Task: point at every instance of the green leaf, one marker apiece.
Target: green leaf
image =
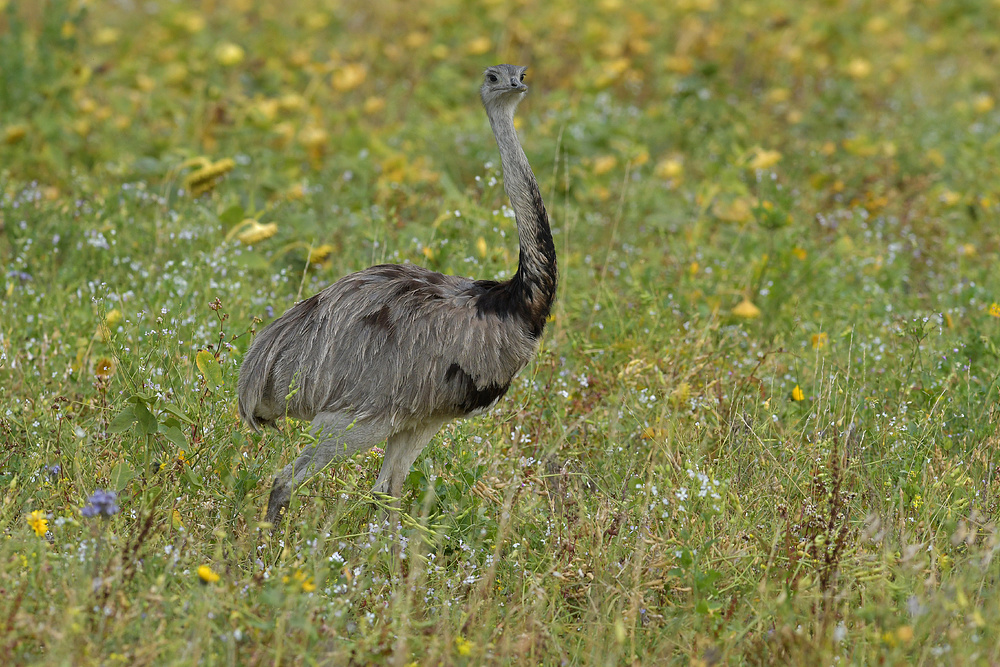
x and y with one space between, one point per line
145 419
191 478
145 397
177 412
121 476
232 215
174 434
123 421
210 369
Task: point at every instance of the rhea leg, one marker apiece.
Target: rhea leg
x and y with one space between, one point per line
401 450
338 436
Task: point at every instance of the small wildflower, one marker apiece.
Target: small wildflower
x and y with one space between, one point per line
229 54
669 168
764 159
859 68
950 198
797 394
113 317
994 310
746 310
349 77
983 103
373 105
101 503
604 164
463 645
819 340
320 254
256 232
304 580
207 574
38 522
205 178
104 368
14 133
905 634
313 137
478 46
106 35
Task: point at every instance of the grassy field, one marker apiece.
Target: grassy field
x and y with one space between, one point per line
762 425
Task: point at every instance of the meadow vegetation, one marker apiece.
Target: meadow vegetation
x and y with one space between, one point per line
762 425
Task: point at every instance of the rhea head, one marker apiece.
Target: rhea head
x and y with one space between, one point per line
503 87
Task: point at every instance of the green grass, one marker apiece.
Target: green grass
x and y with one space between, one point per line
762 425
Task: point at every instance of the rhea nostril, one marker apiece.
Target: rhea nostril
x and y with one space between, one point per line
513 83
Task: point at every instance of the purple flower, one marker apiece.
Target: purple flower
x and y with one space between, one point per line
101 503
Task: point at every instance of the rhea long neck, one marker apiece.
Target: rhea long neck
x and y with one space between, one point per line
534 284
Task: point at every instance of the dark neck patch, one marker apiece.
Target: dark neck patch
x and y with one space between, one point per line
471 397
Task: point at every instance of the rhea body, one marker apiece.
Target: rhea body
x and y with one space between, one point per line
394 352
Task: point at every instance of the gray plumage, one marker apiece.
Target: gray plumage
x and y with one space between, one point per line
394 352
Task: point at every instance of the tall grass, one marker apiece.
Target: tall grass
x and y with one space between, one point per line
762 425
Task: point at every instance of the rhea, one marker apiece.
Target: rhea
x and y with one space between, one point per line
394 352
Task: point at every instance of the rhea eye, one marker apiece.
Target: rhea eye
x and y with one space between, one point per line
492 78
522 76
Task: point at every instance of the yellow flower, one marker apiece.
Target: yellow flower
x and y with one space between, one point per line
905 634
746 310
38 522
935 157
207 575
229 54
859 68
349 77
669 168
820 340
738 210
797 394
206 176
373 105
190 21
463 645
983 103
106 35
994 310
319 255
14 133
604 164
113 317
111 320
313 137
950 197
481 246
104 368
764 159
304 580
478 46
256 232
